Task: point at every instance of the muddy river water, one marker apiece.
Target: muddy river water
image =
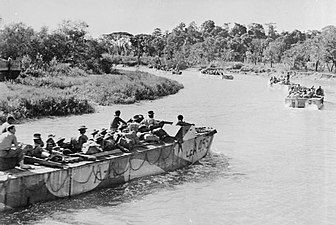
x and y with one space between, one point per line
268 164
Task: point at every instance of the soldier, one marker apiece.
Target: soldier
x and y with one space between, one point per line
10 148
117 121
9 120
180 121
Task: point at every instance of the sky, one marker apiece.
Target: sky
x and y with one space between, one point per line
143 16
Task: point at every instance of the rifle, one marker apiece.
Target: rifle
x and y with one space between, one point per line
166 122
160 124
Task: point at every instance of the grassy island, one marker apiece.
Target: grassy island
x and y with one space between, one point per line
35 97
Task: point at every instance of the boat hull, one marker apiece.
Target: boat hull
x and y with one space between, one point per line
9 72
45 183
304 102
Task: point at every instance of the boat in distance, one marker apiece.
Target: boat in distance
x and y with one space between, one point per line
216 72
44 183
9 69
316 102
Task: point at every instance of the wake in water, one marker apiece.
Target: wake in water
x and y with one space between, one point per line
208 169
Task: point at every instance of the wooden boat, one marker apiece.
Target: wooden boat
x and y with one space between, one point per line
44 183
316 102
227 76
9 70
177 72
216 72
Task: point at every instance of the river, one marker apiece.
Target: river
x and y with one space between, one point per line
268 164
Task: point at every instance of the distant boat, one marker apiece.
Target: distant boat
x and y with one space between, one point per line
177 72
9 69
216 71
316 102
227 76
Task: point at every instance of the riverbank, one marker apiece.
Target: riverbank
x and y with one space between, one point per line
35 97
266 70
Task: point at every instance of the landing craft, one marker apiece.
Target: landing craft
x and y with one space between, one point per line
49 181
9 69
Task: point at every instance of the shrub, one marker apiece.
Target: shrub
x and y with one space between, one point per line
106 63
59 69
33 97
237 65
33 72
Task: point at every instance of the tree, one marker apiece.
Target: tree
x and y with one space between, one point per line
74 33
256 30
255 50
141 45
207 27
274 51
271 31
328 37
16 40
238 30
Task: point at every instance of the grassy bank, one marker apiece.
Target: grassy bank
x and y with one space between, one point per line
33 97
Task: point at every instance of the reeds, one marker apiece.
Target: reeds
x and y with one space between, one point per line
34 97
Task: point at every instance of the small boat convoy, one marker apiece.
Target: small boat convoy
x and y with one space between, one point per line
298 96
51 180
217 72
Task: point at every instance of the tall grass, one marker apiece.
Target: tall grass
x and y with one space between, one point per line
33 97
26 102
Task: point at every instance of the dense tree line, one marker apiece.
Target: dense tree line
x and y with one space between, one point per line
184 46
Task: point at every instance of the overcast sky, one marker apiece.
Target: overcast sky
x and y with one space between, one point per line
143 16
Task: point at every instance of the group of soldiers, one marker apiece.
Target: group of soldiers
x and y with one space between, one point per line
298 91
213 71
122 135
282 79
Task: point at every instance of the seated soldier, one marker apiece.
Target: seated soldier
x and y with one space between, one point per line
91 147
82 137
155 126
109 142
132 133
50 143
37 137
10 150
9 120
64 147
117 121
38 150
77 144
150 121
94 133
127 139
99 137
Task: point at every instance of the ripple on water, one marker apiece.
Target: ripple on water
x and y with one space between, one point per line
63 211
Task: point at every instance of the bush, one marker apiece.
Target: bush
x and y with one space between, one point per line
106 63
59 69
33 97
237 65
33 72
30 102
129 60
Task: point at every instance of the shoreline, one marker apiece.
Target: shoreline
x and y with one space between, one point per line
36 98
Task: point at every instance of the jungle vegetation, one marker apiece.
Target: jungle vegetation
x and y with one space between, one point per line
184 46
